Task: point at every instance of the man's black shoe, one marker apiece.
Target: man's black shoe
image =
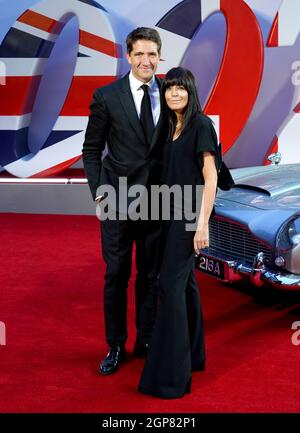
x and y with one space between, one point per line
110 363
140 350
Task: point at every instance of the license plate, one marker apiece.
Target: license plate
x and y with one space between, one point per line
210 266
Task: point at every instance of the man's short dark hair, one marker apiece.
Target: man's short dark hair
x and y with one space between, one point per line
145 33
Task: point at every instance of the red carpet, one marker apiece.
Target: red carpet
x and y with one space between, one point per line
51 303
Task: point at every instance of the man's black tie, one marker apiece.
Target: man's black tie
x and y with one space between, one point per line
146 117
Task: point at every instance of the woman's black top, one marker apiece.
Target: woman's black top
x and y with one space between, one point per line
183 164
183 157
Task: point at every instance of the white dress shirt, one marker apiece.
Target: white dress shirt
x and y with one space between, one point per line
138 93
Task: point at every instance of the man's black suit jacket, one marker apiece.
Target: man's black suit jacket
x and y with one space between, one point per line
114 120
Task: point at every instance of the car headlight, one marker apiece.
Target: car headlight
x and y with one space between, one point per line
288 236
294 232
288 246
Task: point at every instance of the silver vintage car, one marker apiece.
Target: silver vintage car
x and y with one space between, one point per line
255 232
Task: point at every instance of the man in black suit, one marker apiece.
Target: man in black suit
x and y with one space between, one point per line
127 116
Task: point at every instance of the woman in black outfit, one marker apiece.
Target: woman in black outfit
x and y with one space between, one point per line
177 344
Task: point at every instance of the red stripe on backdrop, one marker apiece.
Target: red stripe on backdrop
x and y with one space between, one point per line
41 22
99 44
18 95
86 39
57 168
235 90
80 94
273 35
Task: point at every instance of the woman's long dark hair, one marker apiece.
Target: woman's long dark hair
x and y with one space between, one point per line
181 77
